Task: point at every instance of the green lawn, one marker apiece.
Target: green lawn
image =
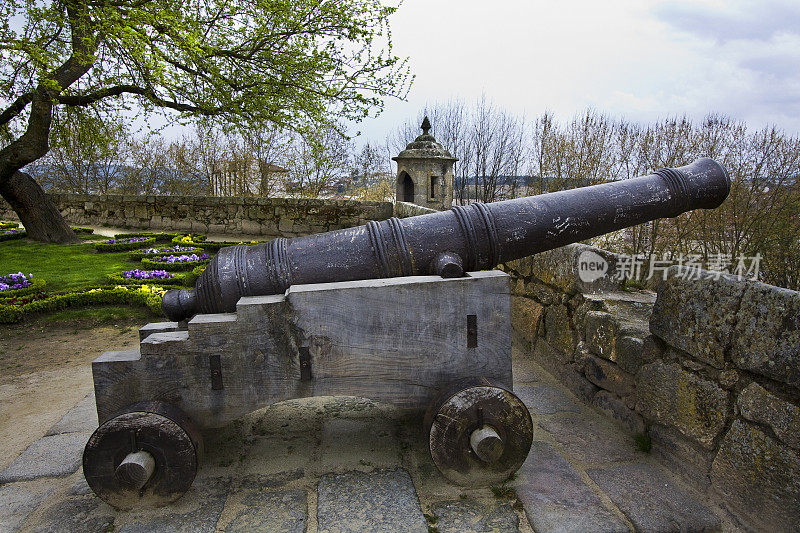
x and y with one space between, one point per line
62 266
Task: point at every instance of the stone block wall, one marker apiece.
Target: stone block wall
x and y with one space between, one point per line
270 217
708 367
406 209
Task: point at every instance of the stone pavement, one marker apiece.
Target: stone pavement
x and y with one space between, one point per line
351 465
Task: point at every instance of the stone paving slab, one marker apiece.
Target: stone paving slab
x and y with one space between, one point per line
198 511
87 514
51 456
458 516
18 500
557 500
80 419
524 372
591 438
546 400
652 501
361 502
261 511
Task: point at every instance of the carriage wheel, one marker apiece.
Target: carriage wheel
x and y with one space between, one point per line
478 432
145 456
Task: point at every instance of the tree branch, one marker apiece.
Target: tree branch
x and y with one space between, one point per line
118 90
16 108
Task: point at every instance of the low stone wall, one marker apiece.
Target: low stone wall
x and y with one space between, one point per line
407 209
708 367
270 217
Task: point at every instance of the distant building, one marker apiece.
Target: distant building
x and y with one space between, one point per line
425 172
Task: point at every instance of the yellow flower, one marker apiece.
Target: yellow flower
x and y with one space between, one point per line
152 289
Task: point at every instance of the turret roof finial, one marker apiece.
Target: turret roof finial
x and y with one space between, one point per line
426 125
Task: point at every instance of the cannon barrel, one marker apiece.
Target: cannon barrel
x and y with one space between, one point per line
473 237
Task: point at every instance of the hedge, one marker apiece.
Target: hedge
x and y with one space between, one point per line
12 236
4 225
122 246
37 284
172 267
149 297
210 246
158 236
79 230
178 280
138 255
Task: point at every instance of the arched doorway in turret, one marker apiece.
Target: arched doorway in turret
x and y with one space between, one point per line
406 188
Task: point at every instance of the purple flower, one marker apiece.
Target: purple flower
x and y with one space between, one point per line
181 258
11 282
125 241
146 274
171 250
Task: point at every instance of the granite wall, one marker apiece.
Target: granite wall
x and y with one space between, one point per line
708 367
406 209
270 217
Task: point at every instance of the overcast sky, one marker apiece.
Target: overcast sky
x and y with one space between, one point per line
639 59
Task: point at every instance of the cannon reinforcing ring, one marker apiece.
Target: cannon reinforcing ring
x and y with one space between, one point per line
278 269
491 231
678 190
468 230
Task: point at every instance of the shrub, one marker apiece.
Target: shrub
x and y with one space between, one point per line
176 263
138 255
209 246
148 296
158 236
11 234
4 225
191 277
166 279
19 284
79 230
131 243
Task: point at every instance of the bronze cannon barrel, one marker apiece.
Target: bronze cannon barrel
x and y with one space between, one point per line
473 237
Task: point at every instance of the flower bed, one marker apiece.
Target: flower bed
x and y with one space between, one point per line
19 284
148 296
11 234
123 245
176 263
209 246
158 236
147 274
138 255
143 277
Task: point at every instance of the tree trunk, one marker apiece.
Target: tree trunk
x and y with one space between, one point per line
37 213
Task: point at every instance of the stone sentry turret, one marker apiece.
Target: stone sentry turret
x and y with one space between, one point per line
448 243
425 172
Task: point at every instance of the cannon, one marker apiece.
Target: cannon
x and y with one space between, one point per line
404 311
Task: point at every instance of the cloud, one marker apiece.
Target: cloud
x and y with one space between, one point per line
644 60
746 57
729 21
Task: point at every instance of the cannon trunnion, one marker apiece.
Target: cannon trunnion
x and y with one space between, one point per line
398 311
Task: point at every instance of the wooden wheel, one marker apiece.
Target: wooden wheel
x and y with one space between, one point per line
478 433
145 456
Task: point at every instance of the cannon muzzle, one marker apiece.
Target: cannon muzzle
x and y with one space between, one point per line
473 237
